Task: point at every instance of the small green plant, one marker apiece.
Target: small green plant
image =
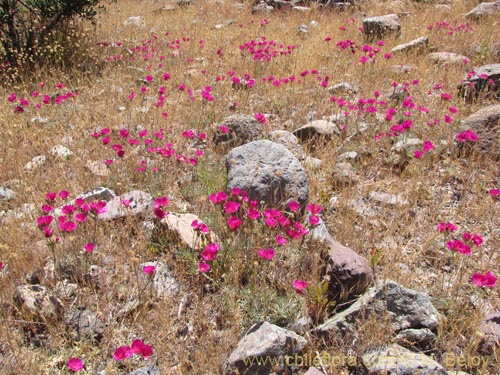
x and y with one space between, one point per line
318 302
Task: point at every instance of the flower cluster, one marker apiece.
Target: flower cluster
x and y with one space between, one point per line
488 279
72 214
464 247
138 347
266 50
467 135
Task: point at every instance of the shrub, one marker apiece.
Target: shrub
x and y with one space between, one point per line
41 32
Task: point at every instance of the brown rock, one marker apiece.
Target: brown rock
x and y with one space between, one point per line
490 330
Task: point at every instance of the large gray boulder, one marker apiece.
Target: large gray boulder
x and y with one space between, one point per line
485 79
483 10
381 26
240 130
262 347
486 124
396 360
406 308
269 172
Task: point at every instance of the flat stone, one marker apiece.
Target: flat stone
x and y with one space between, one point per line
141 203
388 199
448 58
418 44
381 26
483 10
397 360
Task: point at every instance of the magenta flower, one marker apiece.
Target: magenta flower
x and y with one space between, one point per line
199 226
47 208
123 352
68 226
253 214
89 247
495 193
475 238
223 129
467 135
1 265
446 227
293 205
44 221
210 251
139 347
231 207
50 196
266 254
148 270
68 209
428 145
161 202
233 222
260 118
75 364
418 154
98 207
314 209
457 245
488 279
63 194
280 240
299 285
203 267
218 197
159 213
314 220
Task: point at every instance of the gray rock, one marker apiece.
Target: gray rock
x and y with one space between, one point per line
397 360
141 204
415 337
344 88
489 329
317 130
313 163
61 152
262 341
136 21
97 168
398 92
400 69
262 7
35 163
242 129
349 155
388 199
288 140
163 281
495 51
313 371
302 325
406 144
348 274
381 26
268 171
301 9
485 79
448 58
6 194
38 303
98 194
482 10
415 45
181 224
406 308
147 370
86 325
486 124
344 174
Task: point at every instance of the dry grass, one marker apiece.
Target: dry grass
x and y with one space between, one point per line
442 186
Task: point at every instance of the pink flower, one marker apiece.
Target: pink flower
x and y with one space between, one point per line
446 227
99 207
233 222
68 226
75 364
253 214
47 208
44 221
495 193
50 196
314 209
223 129
488 279
199 226
159 213
139 347
81 217
12 97
148 270
63 194
280 240
266 254
260 118
68 209
299 285
210 251
231 207
418 154
123 352
293 205
161 202
457 245
1 265
89 247
218 197
203 267
314 220
467 135
428 145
